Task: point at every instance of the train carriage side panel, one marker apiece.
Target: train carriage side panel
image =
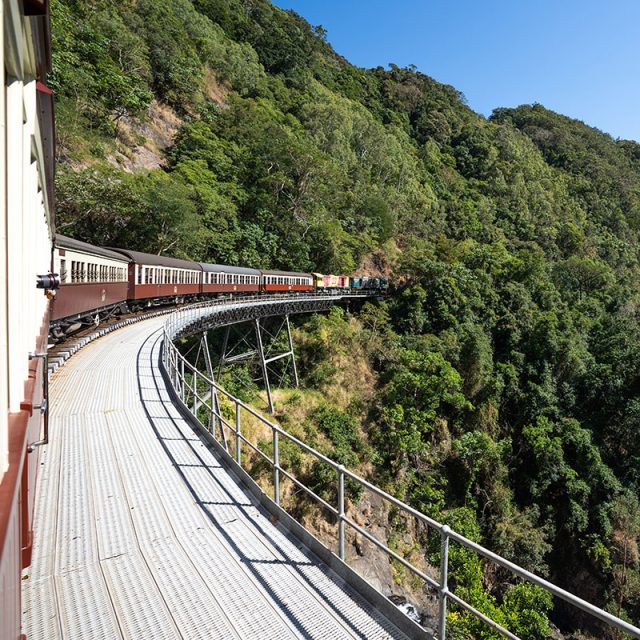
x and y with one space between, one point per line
220 278
91 278
27 142
152 278
285 281
318 281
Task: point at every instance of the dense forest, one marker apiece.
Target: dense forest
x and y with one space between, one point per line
505 362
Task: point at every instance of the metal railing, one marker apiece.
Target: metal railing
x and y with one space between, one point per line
196 392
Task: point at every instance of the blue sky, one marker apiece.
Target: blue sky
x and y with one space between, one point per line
577 57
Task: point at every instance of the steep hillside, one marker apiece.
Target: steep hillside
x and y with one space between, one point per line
505 366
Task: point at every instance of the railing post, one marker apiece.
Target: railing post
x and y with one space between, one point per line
276 468
444 578
182 379
341 512
238 439
174 366
194 380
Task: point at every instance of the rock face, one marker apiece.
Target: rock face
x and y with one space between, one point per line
144 142
373 564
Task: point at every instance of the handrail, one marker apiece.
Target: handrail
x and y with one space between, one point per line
176 367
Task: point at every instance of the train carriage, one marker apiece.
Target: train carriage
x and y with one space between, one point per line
368 283
282 281
93 281
327 282
27 140
221 278
158 278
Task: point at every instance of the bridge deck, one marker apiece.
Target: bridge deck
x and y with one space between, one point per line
141 533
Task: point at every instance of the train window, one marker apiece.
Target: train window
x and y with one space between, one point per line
63 270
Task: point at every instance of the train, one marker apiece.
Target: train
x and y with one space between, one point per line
96 283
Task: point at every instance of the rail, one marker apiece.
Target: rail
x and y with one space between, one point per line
196 392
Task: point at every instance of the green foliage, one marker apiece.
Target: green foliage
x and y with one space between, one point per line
422 388
345 448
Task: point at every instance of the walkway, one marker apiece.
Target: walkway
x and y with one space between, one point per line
140 533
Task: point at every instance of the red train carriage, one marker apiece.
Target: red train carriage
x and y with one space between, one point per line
93 282
273 281
155 279
220 278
